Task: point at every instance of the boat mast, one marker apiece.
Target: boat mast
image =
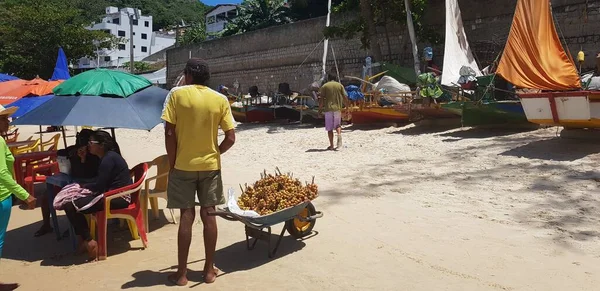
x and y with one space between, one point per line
413 39
326 43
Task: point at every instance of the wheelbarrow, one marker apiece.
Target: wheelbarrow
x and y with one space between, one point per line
299 222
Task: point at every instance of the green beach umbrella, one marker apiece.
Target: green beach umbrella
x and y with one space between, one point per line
102 82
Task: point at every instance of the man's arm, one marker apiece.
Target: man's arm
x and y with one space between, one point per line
228 141
227 124
321 97
171 143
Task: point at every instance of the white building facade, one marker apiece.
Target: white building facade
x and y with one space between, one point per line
217 18
145 40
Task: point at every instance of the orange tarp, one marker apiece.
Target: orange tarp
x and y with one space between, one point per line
534 57
10 91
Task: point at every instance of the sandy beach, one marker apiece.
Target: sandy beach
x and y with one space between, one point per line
406 208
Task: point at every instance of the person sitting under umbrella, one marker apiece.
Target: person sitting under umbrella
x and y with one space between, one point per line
84 166
113 173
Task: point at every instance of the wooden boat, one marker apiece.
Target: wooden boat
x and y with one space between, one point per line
377 114
534 58
252 109
370 111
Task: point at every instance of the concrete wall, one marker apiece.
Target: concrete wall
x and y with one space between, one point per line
293 53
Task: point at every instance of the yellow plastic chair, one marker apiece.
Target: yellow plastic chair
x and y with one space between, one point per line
33 147
161 180
51 144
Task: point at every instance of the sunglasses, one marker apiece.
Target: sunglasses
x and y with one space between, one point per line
93 142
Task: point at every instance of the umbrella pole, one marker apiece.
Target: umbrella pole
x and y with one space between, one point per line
40 133
64 136
112 131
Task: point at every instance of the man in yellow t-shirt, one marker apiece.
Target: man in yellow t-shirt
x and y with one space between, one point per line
193 114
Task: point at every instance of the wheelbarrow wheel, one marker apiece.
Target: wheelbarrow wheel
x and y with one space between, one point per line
298 228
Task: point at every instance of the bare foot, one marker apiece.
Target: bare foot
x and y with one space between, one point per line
92 250
178 278
8 287
210 275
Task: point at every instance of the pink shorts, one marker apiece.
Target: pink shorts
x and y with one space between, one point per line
333 120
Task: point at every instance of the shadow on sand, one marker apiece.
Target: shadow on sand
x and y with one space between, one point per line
556 149
430 126
233 258
22 246
480 133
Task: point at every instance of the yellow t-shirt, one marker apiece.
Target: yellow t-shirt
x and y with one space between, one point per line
197 112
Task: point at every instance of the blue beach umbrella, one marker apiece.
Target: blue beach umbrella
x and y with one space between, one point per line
141 110
5 77
27 104
61 70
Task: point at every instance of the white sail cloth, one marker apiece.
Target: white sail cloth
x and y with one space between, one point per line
457 52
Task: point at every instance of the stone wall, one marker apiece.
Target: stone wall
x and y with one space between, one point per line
293 53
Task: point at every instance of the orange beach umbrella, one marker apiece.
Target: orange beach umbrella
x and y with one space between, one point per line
11 91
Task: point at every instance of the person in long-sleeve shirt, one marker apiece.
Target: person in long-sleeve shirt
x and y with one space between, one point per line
8 186
113 173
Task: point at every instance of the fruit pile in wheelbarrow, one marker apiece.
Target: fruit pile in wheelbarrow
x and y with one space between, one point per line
277 192
276 199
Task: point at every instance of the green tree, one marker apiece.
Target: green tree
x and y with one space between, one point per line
138 67
258 14
305 9
165 13
31 33
383 12
196 33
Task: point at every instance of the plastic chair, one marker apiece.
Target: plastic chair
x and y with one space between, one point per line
133 213
160 188
11 136
38 171
51 144
24 164
34 147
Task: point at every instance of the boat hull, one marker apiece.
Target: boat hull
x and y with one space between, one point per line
253 114
577 109
419 112
378 115
488 113
289 113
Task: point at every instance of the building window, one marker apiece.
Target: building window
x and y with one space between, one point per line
147 23
121 47
107 59
116 21
134 21
211 20
144 49
134 33
122 33
144 36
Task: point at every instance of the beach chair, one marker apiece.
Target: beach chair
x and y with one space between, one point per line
51 144
11 136
133 213
34 147
161 181
37 171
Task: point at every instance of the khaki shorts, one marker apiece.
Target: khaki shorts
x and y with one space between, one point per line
185 185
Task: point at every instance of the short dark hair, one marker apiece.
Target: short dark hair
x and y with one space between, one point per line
198 70
331 77
106 140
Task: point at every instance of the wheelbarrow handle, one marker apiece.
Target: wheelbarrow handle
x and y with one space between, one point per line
319 214
224 215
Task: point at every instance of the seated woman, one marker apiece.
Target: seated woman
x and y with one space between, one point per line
84 166
113 173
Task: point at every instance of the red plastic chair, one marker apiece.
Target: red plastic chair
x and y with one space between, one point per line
24 163
38 171
133 214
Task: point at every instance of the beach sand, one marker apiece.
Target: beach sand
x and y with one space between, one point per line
405 208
